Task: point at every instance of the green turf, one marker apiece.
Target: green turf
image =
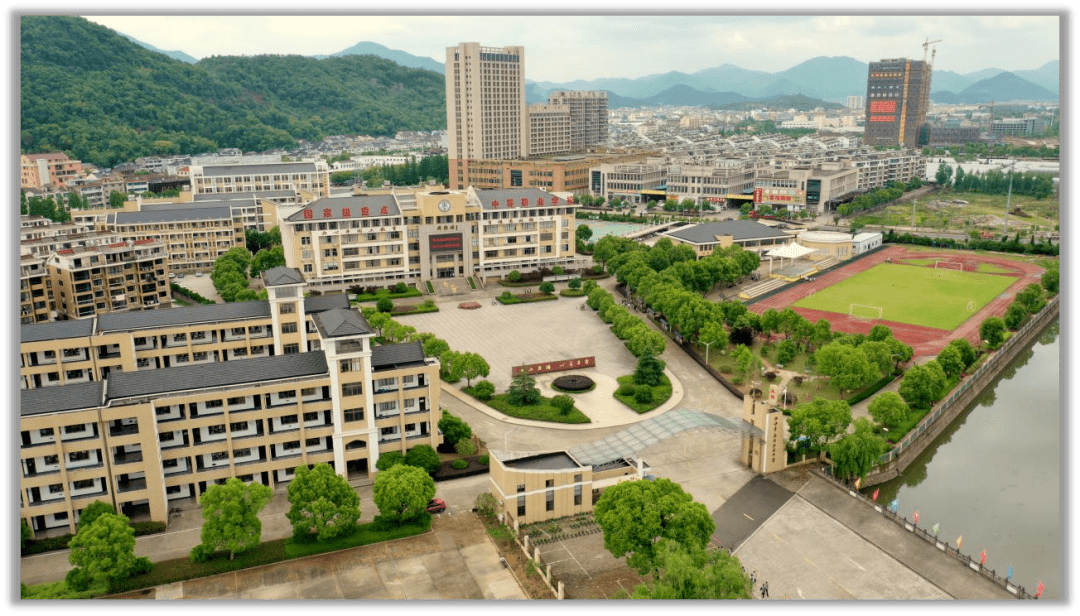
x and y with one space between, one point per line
991 268
916 295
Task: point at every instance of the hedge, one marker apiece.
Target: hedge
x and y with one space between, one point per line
189 293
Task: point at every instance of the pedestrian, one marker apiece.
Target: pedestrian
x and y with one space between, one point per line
753 576
765 589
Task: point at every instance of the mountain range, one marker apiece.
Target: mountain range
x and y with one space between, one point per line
827 78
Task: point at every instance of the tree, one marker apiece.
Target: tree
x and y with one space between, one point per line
465 447
583 233
93 511
452 366
635 514
423 456
547 288
849 368
856 453
231 516
992 330
117 199
744 360
103 553
1031 298
473 366
967 352
921 385
574 283
453 428
322 503
642 339
25 533
267 259
514 276
879 333
686 572
713 332
649 370
888 409
819 421
402 493
951 361
389 459
522 390
944 172
1051 280
785 352
385 304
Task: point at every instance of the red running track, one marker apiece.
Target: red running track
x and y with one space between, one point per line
924 340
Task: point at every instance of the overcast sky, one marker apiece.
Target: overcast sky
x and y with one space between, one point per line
564 48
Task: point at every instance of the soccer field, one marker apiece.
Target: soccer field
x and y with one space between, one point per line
938 298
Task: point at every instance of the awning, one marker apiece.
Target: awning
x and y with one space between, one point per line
790 251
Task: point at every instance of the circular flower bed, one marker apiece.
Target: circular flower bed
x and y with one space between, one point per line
573 382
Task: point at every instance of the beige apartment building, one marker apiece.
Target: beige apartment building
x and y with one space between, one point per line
113 278
428 235
588 116
545 486
195 234
311 177
549 130
34 300
140 411
54 169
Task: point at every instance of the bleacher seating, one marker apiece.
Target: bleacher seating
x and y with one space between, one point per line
762 288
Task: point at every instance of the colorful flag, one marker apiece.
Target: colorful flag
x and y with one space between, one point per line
1039 589
916 516
935 527
982 558
858 482
876 492
1008 576
959 541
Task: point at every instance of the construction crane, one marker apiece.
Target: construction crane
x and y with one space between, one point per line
926 47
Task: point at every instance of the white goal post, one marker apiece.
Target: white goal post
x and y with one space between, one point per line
852 307
938 265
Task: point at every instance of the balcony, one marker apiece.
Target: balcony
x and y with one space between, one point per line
131 485
127 458
123 430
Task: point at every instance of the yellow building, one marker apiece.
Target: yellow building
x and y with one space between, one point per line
827 244
34 300
143 411
428 235
195 234
54 169
567 173
312 177
764 446
537 487
117 277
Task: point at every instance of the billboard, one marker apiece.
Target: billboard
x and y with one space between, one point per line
447 242
882 106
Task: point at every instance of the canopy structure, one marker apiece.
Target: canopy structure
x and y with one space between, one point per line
790 251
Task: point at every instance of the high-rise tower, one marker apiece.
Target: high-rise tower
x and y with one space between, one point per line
486 114
897 99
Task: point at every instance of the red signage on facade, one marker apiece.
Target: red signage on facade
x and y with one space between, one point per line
757 195
882 106
450 242
556 366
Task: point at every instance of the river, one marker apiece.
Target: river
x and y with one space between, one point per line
993 477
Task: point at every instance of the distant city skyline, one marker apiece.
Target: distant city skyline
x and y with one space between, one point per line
568 48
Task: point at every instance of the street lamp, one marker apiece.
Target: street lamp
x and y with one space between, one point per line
707 344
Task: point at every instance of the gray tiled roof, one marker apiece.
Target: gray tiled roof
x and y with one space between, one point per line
192 205
340 322
61 398
174 215
319 303
271 169
216 374
209 313
534 195
282 275
264 194
739 230
556 460
355 205
56 330
392 355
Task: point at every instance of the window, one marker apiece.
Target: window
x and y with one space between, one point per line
350 365
218 429
219 455
550 501
577 494
56 488
288 420
75 429
313 416
291 445
214 404
313 442
291 349
242 453
77 456
46 432
388 431
288 328
84 484
51 460
354 414
307 391
237 401
352 389
238 426
289 308
166 436
521 506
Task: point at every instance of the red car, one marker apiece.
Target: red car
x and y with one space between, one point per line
436 505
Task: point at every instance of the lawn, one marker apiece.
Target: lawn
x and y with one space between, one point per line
929 297
991 268
541 411
660 393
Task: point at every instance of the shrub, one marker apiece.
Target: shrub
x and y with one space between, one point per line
506 296
400 287
564 403
201 553
547 287
626 390
454 429
643 395
389 460
465 447
514 276
484 390
423 456
485 459
485 504
558 270
148 528
385 304
460 464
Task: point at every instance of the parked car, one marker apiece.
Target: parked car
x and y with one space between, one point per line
180 275
172 275
198 273
436 505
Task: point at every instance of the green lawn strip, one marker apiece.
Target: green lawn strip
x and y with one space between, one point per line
660 394
870 389
365 534
523 283
916 295
472 283
897 434
991 268
918 261
374 297
430 288
572 293
418 309
525 299
541 411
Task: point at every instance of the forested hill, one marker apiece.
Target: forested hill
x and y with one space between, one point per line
101 98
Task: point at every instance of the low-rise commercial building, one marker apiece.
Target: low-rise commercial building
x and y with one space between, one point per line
707 237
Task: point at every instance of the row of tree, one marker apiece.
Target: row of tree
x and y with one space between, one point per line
996 182
877 196
997 150
1014 245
